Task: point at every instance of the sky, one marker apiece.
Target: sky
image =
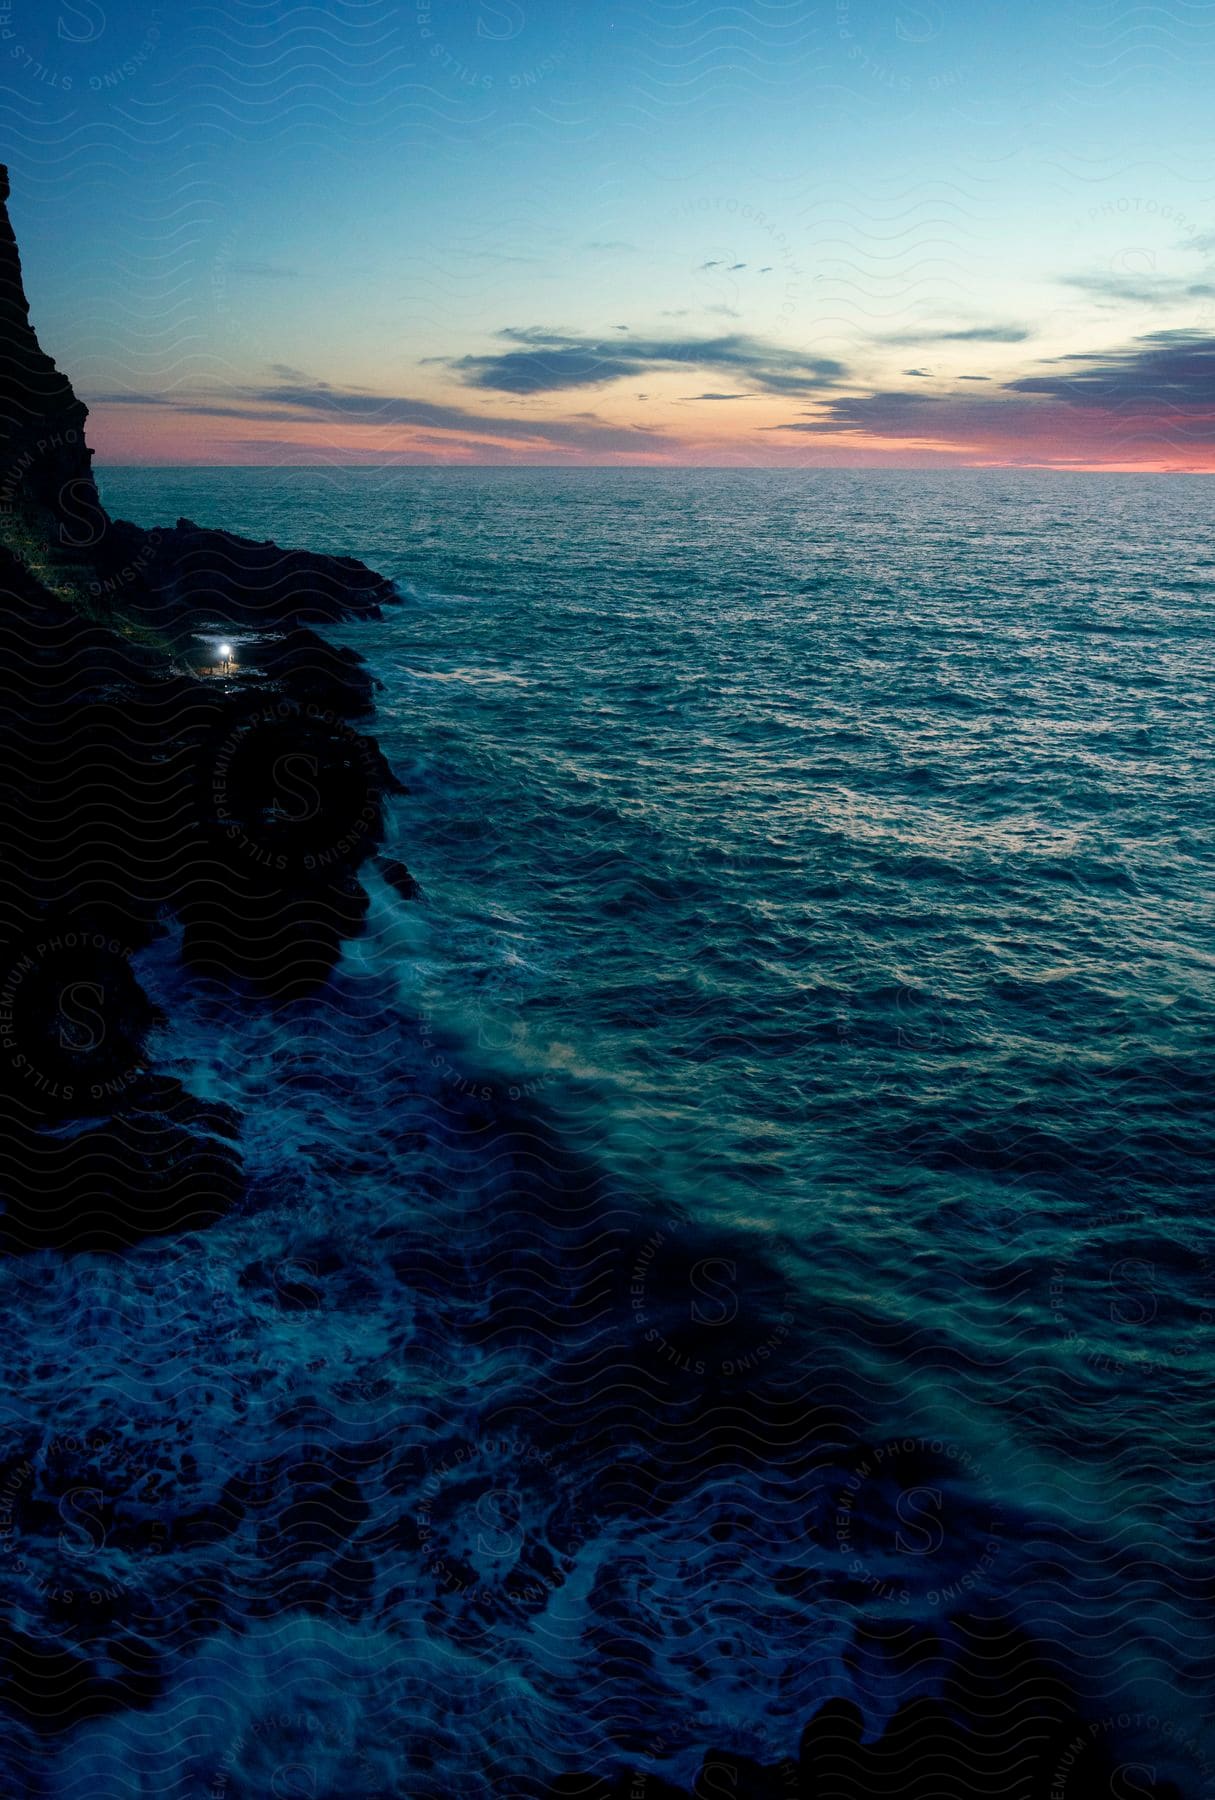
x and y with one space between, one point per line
886 233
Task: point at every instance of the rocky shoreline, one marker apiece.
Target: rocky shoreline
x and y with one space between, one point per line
237 808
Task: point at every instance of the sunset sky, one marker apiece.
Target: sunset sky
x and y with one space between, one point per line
859 232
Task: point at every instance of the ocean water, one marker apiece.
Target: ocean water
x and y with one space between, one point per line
751 1213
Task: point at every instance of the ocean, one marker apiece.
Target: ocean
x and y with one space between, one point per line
748 1218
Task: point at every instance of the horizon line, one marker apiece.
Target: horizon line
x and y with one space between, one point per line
675 468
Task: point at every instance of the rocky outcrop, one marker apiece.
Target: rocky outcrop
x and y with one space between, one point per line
1012 1727
149 796
188 572
47 466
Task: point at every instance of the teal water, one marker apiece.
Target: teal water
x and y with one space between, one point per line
828 858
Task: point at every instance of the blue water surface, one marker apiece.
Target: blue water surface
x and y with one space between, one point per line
826 859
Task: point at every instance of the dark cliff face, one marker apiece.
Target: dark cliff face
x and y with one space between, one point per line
149 795
47 468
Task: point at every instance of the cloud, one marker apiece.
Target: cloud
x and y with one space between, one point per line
536 361
323 402
926 373
1174 369
1147 402
548 371
1154 397
860 412
190 404
318 402
1141 290
1203 242
133 399
266 271
971 334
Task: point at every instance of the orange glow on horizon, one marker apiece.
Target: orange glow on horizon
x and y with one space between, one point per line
157 435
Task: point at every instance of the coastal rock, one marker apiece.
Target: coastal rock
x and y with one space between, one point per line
145 787
1006 1723
46 479
398 876
193 572
320 674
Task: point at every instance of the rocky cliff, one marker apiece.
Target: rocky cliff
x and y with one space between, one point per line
152 797
47 465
